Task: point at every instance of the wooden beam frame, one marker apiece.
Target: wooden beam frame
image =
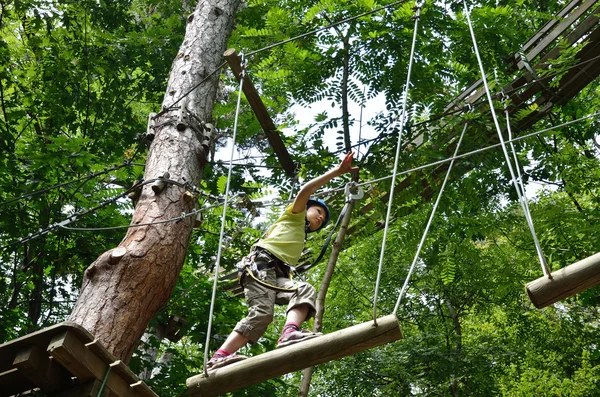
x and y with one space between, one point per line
59 360
565 282
312 352
261 113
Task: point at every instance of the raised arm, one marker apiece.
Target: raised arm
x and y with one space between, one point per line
311 186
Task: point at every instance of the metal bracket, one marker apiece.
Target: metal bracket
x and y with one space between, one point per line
186 119
150 133
535 76
354 191
208 133
159 185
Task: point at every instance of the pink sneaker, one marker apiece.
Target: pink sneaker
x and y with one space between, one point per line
218 361
291 337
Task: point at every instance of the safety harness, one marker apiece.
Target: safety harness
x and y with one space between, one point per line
258 271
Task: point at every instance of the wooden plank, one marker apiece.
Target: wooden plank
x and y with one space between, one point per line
72 354
100 351
565 282
13 382
35 364
560 28
140 389
231 276
577 78
514 59
296 357
262 114
577 33
41 338
461 97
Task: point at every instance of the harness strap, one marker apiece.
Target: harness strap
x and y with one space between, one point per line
267 285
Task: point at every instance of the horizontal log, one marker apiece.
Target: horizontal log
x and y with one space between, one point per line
312 352
565 282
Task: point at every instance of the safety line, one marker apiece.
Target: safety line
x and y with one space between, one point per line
74 217
177 219
541 257
429 221
473 152
269 47
332 25
223 221
59 185
418 6
522 194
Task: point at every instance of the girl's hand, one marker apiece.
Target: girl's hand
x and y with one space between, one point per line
346 164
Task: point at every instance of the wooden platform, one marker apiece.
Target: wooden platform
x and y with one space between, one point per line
312 352
64 360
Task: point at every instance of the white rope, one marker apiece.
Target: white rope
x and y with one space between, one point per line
467 154
429 221
499 131
523 196
418 6
223 221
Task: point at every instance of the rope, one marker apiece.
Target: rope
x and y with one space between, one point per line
177 219
429 221
418 6
543 262
267 285
331 25
523 199
104 381
59 185
223 221
473 152
73 218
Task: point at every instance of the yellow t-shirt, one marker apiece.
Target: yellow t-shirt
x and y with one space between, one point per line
285 238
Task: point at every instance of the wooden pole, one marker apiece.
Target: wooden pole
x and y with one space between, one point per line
312 352
565 282
261 113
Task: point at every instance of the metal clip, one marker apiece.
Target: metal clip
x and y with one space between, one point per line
354 191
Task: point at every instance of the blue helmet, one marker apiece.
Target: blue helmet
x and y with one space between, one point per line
320 203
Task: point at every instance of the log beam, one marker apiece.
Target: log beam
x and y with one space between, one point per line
261 113
312 352
565 282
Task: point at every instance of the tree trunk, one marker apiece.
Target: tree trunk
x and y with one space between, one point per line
454 386
125 287
318 324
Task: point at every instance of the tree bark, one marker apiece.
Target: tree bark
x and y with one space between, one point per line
121 293
318 323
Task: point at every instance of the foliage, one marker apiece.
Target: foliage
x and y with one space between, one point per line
78 79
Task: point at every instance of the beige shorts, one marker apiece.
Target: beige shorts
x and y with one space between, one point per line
261 302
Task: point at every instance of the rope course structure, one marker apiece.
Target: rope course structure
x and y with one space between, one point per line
241 374
313 352
381 330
